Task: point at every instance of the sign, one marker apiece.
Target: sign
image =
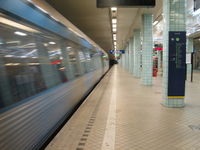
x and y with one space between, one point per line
177 64
117 51
125 3
112 51
122 51
188 58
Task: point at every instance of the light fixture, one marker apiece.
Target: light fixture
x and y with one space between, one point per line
115 43
69 47
114 25
114 29
52 43
114 20
155 22
114 8
20 33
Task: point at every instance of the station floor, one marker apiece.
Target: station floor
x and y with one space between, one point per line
122 114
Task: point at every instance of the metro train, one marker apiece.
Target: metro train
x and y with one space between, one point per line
47 66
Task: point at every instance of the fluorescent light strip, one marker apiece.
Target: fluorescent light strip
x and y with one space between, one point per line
114 30
114 25
114 20
114 8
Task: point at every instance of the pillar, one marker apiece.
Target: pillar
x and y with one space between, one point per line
159 54
127 58
189 51
174 20
137 53
147 49
131 56
123 60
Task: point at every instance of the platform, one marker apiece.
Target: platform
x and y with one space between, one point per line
122 114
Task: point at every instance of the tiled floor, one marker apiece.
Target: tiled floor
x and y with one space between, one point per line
122 114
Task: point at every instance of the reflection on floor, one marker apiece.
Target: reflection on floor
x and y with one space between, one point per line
122 114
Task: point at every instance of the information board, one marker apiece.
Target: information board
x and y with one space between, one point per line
177 64
125 3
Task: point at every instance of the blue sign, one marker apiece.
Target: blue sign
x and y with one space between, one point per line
122 51
112 51
177 64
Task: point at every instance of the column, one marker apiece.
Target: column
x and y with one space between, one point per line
137 53
189 52
130 56
174 20
123 60
127 58
147 49
159 54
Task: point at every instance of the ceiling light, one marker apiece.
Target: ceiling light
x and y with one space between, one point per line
69 47
114 30
114 25
114 20
52 43
20 33
155 22
114 8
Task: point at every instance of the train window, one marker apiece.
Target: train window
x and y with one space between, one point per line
88 65
31 61
20 74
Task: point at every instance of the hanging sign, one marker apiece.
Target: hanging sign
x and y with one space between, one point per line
125 3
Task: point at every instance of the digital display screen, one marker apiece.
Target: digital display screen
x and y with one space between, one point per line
125 3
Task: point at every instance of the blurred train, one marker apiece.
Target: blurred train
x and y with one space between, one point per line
46 68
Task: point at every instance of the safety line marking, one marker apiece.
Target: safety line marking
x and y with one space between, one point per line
109 135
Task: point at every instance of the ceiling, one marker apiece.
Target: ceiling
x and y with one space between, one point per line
96 22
